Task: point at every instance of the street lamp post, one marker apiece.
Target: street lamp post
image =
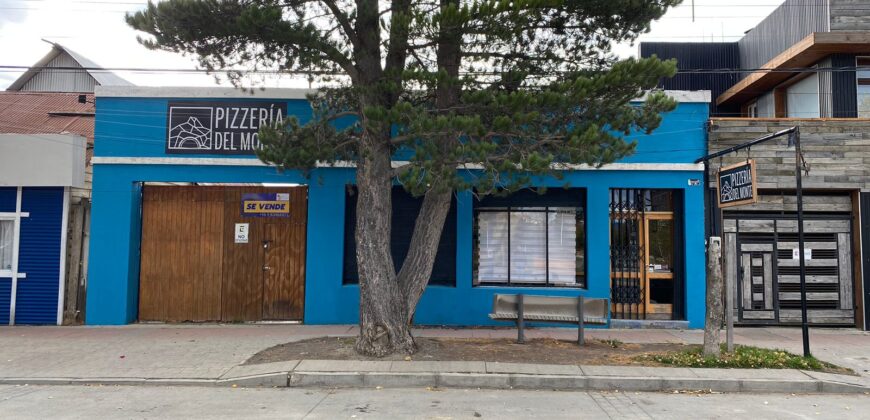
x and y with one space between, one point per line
795 139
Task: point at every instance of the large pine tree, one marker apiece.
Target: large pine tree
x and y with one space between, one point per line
478 94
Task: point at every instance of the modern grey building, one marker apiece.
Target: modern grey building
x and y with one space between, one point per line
808 65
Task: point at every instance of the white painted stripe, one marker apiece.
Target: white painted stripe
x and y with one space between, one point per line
16 238
106 160
62 269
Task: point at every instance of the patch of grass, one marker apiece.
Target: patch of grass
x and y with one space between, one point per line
742 357
613 343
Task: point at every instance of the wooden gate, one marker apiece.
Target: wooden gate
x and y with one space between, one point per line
762 262
193 268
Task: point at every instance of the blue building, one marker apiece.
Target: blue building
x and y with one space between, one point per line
188 225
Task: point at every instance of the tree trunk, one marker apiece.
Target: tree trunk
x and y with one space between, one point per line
713 323
417 267
384 326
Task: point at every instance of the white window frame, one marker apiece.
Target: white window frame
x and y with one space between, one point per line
752 110
10 217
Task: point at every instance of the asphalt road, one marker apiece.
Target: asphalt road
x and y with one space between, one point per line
233 403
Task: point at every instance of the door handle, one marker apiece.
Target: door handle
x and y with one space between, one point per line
266 268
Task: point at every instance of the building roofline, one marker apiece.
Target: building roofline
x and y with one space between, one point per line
803 53
685 96
198 92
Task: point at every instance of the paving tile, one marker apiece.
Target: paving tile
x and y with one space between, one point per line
532 369
652 372
343 366
438 366
773 374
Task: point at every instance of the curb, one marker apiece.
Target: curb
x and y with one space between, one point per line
814 383
565 382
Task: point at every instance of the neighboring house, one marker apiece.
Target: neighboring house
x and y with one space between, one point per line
807 65
46 142
64 70
179 236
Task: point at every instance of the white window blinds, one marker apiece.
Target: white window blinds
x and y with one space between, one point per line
522 245
562 246
6 238
493 246
528 247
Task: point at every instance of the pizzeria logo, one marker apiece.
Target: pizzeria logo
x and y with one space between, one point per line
191 128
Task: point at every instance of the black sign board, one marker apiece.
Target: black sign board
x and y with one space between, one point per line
737 185
226 128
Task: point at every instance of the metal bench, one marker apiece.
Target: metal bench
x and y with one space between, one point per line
559 309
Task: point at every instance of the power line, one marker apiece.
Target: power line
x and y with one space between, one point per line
17 69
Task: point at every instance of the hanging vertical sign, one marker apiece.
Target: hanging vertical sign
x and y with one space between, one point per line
226 128
737 185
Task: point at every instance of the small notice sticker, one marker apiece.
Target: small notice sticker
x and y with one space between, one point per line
796 255
242 230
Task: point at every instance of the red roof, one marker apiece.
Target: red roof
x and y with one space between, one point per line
46 113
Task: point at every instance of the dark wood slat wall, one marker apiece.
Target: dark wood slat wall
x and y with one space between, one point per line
838 151
192 269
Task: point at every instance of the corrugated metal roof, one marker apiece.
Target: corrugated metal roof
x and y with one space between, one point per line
101 77
46 113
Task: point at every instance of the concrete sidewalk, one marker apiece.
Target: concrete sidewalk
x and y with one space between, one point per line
212 354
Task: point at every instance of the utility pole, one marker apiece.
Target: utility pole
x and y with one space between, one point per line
713 322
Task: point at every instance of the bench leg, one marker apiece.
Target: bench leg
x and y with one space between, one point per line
521 324
581 339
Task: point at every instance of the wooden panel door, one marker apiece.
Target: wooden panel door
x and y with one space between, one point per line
242 295
757 288
181 253
284 261
278 287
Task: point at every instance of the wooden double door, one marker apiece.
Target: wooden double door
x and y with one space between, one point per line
195 267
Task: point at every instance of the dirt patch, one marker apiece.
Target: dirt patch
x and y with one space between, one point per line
543 350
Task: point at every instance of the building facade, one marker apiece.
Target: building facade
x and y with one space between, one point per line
37 173
188 225
804 65
46 141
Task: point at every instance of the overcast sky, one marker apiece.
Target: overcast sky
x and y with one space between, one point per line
96 29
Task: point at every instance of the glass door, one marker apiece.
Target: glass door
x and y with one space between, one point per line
642 254
659 273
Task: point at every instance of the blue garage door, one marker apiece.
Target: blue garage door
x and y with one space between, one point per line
38 255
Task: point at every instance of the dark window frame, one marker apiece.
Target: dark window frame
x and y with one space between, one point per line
528 204
444 273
